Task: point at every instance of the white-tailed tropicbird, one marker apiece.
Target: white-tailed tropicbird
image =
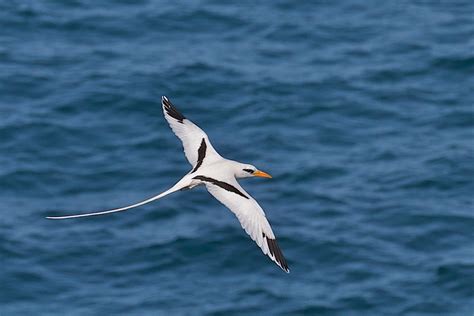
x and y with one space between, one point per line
219 175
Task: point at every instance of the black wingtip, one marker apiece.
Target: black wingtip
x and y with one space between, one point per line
166 102
276 252
171 110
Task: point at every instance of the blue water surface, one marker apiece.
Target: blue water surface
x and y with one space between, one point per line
361 110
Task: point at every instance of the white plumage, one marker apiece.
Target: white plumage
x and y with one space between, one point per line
219 175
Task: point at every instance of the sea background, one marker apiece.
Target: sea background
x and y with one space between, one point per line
361 110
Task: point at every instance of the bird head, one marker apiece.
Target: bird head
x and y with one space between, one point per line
247 171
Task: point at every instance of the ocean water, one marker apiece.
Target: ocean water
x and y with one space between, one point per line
361 110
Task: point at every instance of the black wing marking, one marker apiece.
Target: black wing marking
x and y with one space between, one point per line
276 252
171 110
201 155
226 186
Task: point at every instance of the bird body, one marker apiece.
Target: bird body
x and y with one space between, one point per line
219 175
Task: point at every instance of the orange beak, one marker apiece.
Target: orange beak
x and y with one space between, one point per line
262 174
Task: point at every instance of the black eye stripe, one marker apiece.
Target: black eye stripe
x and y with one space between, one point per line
248 170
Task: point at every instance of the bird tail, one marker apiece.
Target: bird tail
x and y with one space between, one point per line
178 186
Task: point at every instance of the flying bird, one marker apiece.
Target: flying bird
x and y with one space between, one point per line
219 175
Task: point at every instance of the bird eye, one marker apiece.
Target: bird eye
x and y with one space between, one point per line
248 170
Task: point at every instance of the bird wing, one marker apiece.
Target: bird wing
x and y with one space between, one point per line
249 213
196 144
